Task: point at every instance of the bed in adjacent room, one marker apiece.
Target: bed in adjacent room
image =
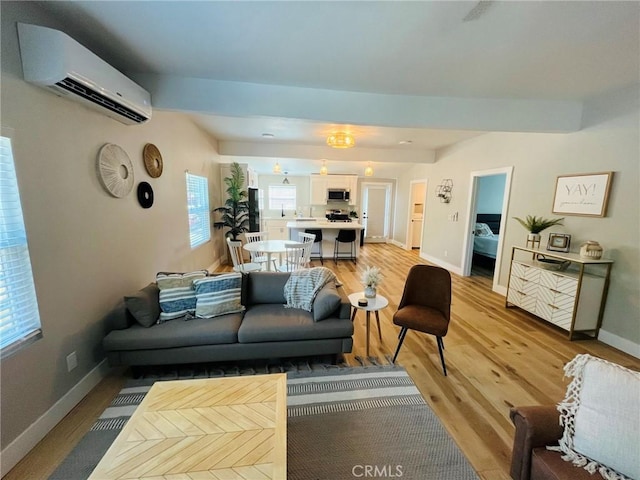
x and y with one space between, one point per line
486 236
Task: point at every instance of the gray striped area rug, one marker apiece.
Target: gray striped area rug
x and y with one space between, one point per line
369 423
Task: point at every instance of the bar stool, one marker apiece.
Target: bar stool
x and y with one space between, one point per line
345 236
318 234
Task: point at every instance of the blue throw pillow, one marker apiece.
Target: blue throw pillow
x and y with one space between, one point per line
218 295
177 296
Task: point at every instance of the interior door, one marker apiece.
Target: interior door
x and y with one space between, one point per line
376 199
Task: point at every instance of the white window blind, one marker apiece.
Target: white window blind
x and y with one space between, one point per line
282 197
19 317
198 207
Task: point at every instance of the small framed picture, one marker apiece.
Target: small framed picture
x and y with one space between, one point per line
559 242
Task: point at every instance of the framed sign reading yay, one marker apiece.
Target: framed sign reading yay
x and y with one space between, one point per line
584 195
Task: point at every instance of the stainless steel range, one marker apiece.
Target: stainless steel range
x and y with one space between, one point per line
338 217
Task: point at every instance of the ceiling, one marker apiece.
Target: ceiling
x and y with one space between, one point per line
428 74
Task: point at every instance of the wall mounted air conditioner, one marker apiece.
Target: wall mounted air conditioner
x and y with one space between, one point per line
53 60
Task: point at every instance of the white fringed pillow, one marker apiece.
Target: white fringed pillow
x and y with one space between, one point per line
601 418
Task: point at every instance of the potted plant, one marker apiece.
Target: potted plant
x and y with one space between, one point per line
371 278
535 225
235 212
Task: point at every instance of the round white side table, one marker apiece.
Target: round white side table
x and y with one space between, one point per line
374 304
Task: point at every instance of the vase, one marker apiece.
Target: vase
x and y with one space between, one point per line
533 240
370 291
591 249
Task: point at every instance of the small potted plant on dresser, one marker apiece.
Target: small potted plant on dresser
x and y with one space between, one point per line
535 225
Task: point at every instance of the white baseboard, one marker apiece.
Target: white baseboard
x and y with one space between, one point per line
452 268
16 450
627 346
397 244
213 267
500 290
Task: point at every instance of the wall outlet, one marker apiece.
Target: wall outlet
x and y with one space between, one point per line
72 361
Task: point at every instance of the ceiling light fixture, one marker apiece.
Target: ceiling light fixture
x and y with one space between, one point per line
341 140
268 135
323 169
368 171
276 168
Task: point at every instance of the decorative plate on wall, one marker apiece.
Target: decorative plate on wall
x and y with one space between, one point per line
145 195
115 170
152 160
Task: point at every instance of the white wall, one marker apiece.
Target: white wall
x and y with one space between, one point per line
609 141
87 248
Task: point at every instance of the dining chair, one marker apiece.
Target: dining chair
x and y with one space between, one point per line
307 239
294 257
259 257
239 265
425 305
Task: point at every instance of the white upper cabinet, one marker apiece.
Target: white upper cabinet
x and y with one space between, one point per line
318 189
320 183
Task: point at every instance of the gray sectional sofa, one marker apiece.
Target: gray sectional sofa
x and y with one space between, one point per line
265 330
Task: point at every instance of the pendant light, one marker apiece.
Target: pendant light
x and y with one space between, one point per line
323 169
276 168
368 171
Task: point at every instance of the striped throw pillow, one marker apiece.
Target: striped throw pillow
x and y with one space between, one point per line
218 295
177 296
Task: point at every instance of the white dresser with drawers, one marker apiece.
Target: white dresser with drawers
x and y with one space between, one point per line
572 299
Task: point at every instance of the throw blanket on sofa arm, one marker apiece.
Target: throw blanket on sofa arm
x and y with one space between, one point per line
303 286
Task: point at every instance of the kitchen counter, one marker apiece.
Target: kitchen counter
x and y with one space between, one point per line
323 224
329 234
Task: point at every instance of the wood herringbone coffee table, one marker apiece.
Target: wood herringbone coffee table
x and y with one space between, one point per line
225 428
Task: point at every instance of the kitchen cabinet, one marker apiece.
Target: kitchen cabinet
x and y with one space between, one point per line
276 229
319 184
318 189
571 299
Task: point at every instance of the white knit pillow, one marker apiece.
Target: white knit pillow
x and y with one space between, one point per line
601 418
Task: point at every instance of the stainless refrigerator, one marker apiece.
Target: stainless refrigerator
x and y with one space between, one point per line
254 210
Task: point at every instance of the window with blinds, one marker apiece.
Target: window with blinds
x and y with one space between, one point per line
19 316
282 197
198 208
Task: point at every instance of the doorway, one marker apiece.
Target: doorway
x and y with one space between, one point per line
415 225
376 205
487 213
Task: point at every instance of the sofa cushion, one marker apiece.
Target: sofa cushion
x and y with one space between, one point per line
144 305
175 334
326 302
275 323
218 295
265 287
600 417
177 296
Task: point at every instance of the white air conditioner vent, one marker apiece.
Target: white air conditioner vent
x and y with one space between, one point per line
53 60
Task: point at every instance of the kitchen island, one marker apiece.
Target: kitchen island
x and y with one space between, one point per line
329 234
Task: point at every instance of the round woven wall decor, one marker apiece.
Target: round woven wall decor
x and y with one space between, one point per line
145 195
115 170
152 160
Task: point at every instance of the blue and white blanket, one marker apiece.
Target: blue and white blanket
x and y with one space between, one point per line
303 286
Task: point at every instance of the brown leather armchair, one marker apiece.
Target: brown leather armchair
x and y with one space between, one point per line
537 427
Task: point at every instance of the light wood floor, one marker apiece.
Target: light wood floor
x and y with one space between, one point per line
496 358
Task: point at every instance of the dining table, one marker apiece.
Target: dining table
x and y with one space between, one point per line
269 247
